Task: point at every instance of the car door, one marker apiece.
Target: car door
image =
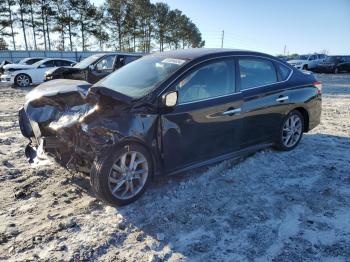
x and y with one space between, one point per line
38 74
101 69
261 82
206 121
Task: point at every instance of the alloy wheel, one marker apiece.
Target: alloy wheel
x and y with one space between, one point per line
128 175
22 80
292 130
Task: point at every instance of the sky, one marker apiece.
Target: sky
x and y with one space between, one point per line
271 26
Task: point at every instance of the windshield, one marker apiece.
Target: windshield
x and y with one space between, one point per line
38 63
303 57
138 78
87 61
23 61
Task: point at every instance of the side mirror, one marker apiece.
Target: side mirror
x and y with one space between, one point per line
92 67
170 99
42 66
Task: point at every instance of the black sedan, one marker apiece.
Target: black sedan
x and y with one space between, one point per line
334 64
169 112
93 68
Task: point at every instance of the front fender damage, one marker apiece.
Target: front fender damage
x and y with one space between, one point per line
74 126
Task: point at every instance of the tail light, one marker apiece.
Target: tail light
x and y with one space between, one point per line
318 85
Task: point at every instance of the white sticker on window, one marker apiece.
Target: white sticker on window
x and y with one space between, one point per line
173 61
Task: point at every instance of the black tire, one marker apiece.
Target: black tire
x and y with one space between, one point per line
22 80
100 172
305 67
280 144
336 70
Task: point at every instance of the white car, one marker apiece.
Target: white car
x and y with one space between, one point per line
24 75
307 62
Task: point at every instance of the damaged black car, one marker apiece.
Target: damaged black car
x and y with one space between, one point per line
167 113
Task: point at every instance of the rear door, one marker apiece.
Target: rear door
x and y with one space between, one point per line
206 122
262 83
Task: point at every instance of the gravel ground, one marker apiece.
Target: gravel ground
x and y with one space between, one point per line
272 206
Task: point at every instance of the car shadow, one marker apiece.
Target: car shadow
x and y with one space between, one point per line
168 212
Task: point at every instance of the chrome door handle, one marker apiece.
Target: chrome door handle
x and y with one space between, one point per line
232 111
282 98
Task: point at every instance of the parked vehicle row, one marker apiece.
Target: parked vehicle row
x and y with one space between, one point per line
308 62
37 70
22 75
93 68
334 64
169 112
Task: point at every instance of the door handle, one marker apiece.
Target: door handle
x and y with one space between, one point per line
232 111
282 98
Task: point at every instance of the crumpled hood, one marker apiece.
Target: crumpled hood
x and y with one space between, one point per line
18 66
56 87
44 102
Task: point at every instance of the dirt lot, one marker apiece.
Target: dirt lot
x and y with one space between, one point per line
276 206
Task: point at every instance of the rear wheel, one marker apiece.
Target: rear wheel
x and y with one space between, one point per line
305 67
122 175
22 80
291 131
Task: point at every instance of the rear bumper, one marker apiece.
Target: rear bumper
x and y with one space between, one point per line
315 111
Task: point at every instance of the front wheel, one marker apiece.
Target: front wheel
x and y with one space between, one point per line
122 175
22 80
291 131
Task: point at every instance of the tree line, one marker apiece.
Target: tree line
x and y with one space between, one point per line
69 25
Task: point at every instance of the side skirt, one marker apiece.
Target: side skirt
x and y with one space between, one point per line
233 155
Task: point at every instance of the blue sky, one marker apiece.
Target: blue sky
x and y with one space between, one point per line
304 26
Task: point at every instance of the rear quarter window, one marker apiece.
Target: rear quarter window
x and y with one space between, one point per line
284 71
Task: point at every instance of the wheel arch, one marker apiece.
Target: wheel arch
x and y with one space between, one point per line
305 115
152 151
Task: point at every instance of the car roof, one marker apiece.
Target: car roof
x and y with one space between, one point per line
194 53
29 58
48 59
116 53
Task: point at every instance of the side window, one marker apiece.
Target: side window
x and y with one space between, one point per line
106 63
209 81
256 72
66 63
129 59
312 57
284 71
49 63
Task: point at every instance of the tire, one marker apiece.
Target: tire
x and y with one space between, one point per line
295 134
107 174
305 67
22 80
336 70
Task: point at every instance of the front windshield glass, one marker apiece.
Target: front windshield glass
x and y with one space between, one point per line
87 61
138 78
23 61
38 63
303 57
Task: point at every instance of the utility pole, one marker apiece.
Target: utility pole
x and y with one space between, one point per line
285 49
222 38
